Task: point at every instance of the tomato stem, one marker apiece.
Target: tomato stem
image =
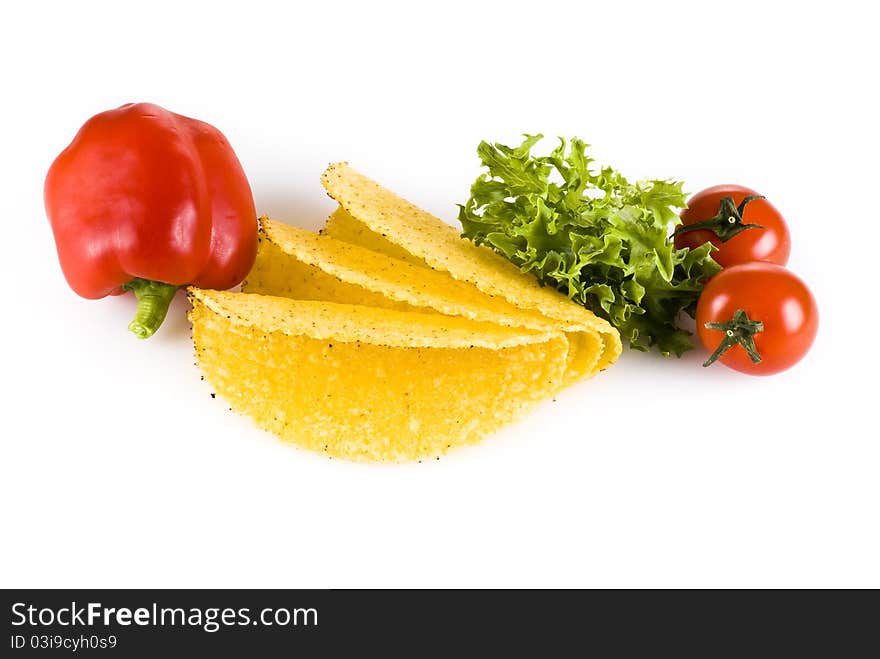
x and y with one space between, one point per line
727 222
154 298
739 330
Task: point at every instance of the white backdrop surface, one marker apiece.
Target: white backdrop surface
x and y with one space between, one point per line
117 468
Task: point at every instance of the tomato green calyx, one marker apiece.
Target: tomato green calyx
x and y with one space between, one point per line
739 330
153 298
727 222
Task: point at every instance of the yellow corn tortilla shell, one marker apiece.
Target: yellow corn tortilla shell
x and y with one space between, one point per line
296 263
292 267
368 383
343 226
381 220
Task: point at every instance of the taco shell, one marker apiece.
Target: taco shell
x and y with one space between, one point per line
369 383
380 220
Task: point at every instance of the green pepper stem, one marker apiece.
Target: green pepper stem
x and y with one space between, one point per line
727 222
739 330
153 298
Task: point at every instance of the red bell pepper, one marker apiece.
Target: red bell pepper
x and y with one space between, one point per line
147 201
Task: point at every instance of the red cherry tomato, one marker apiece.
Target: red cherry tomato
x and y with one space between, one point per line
772 243
770 297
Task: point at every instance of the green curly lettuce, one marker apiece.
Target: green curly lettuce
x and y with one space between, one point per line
591 234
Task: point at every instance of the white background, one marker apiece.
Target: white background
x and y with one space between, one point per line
118 469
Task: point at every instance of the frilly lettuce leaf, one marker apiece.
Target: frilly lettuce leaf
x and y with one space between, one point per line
591 234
